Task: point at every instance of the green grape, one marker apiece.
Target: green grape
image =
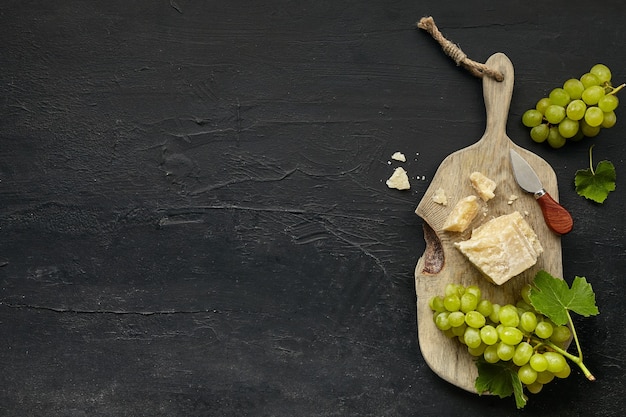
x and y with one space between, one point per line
608 103
456 318
505 352
473 289
471 337
565 372
525 293
543 104
561 334
544 330
576 109
441 321
545 377
459 331
574 88
593 94
527 375
594 116
609 120
555 139
589 131
469 302
556 362
538 362
528 321
559 96
491 354
568 128
436 304
602 72
578 136
495 315
452 302
532 118
485 307
535 387
540 133
554 114
508 315
454 289
523 353
477 351
522 307
474 319
588 79
489 335
511 335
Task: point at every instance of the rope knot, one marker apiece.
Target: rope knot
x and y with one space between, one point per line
455 52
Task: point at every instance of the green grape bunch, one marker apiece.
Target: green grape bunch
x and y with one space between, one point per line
578 109
528 345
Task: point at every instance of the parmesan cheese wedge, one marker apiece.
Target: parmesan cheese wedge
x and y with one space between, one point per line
464 211
484 186
502 248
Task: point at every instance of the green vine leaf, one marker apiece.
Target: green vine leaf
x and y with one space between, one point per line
595 184
552 297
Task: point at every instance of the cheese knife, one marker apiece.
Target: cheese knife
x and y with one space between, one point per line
557 218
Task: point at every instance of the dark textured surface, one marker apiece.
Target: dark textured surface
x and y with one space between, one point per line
194 215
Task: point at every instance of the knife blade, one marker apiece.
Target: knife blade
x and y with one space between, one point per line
557 218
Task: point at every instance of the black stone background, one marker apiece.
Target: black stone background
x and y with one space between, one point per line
194 219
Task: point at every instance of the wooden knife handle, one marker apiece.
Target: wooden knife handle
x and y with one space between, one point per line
557 217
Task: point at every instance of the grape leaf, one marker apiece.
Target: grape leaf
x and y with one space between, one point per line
552 297
596 184
499 379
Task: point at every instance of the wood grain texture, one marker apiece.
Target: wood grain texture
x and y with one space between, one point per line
194 219
490 155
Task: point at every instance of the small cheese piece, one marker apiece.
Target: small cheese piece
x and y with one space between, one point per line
502 248
512 199
399 156
484 186
462 214
440 197
399 180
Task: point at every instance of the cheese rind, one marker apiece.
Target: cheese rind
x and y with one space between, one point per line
502 248
484 186
464 211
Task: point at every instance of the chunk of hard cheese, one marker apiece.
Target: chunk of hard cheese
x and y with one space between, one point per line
502 248
399 180
440 197
464 211
484 186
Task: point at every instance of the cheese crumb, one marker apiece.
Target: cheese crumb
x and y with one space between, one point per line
512 199
462 214
484 186
399 180
398 156
502 248
440 197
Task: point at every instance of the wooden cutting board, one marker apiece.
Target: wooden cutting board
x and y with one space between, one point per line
442 263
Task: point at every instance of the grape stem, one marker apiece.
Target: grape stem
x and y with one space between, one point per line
578 360
616 89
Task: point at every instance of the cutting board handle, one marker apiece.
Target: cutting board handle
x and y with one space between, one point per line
497 95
